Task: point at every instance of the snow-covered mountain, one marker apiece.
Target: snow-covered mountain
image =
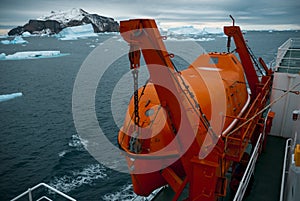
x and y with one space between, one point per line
58 20
64 17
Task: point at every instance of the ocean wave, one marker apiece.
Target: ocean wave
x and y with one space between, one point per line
77 178
6 97
78 143
126 194
63 153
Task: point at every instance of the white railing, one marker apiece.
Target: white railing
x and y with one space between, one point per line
249 171
30 190
284 169
292 44
149 197
282 51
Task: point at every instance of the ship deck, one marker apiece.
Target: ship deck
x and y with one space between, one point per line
268 172
288 57
267 176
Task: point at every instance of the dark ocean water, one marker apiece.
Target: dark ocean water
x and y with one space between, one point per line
39 142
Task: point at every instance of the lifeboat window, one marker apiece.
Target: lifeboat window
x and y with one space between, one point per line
214 60
149 112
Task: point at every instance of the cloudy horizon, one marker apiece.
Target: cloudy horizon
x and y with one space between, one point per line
250 15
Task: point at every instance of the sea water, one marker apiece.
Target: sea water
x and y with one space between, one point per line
39 142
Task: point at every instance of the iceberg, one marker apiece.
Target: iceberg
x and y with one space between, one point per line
26 34
191 33
3 36
212 30
201 39
191 30
185 30
32 55
6 97
2 56
16 40
73 33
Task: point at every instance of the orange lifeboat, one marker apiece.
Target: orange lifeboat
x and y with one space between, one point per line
178 126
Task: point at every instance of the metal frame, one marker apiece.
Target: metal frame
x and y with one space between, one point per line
284 169
29 192
249 171
292 44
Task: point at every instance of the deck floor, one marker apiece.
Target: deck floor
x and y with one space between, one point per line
268 172
267 179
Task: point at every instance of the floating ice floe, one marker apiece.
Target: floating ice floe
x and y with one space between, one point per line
32 55
74 33
3 36
26 34
6 97
16 40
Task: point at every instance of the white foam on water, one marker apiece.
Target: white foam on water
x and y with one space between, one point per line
78 178
126 194
6 97
63 153
78 143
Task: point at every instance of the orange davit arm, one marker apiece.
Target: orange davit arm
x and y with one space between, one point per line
242 50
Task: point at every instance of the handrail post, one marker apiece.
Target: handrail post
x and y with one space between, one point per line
29 194
249 170
287 147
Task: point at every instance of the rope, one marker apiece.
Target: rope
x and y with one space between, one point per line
261 111
196 107
284 90
255 61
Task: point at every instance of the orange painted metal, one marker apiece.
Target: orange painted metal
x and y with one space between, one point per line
176 140
242 50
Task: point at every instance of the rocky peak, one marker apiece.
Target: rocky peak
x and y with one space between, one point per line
58 20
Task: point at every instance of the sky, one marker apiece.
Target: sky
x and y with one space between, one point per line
249 14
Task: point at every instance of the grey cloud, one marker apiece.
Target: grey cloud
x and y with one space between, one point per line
269 12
